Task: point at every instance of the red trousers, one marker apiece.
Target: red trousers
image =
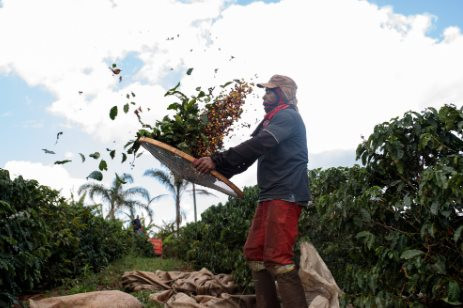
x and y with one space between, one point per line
273 232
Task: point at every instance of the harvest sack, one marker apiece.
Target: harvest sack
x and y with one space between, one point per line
204 289
321 290
99 299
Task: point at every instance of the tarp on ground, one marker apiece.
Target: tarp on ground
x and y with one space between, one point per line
204 289
97 299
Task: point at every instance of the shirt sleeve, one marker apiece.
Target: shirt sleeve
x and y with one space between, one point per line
282 125
238 159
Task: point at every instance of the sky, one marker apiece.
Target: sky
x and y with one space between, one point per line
357 63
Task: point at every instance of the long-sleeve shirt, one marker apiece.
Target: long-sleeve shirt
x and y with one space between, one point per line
280 147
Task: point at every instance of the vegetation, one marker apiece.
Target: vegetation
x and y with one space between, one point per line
119 198
45 240
390 231
176 187
199 131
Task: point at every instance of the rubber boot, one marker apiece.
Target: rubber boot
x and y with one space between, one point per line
291 290
266 293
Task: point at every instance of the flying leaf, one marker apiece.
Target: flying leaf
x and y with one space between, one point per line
103 165
82 156
62 162
48 151
114 65
96 175
189 71
129 143
139 154
57 136
128 96
115 70
126 108
226 84
95 155
112 154
113 112
133 94
124 157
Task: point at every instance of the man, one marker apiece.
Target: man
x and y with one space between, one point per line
136 223
279 144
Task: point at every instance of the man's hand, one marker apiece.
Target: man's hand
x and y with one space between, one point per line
204 164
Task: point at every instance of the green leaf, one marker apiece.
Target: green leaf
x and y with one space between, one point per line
124 157
412 253
48 151
114 65
174 106
453 292
126 108
103 166
133 94
173 90
226 84
434 207
112 154
457 234
113 112
368 238
95 155
82 156
96 175
62 162
189 71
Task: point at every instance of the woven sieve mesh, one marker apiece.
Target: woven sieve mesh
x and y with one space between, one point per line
184 169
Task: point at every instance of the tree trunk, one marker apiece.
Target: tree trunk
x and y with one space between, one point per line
194 201
177 207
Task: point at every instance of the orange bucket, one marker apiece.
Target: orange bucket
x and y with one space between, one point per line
157 245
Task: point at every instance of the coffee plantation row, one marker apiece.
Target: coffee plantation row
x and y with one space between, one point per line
390 231
46 240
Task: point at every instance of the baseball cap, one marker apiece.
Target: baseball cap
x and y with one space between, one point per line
286 84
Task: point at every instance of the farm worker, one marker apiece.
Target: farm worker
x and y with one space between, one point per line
137 225
279 145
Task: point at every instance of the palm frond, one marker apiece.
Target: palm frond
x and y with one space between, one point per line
202 192
96 189
143 192
162 177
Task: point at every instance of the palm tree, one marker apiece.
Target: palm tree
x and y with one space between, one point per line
117 197
176 187
146 205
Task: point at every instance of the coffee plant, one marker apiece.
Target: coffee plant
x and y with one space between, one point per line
45 240
390 231
199 131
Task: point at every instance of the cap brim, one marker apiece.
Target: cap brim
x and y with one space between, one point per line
267 85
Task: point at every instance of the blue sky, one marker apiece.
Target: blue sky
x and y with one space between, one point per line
447 12
355 65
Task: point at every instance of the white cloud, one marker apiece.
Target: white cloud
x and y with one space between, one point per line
54 176
356 64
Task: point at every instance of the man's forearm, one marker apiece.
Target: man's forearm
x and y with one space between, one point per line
238 159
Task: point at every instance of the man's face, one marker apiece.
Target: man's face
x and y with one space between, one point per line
270 100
